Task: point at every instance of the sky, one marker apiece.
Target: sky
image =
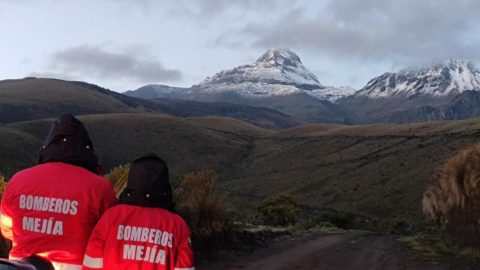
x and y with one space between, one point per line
125 44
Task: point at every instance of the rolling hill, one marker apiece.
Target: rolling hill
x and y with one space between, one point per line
187 144
378 170
31 98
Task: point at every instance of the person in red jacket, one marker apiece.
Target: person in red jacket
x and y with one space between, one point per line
51 209
142 232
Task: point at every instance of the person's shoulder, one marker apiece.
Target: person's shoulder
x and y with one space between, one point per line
178 220
114 210
95 178
26 173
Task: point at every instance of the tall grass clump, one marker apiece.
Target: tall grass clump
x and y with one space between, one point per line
204 210
118 176
198 200
3 185
5 245
281 210
453 198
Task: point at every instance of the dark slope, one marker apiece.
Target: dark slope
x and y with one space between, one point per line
30 99
184 143
378 170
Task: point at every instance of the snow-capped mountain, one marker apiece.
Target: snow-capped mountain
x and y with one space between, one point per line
157 91
453 77
278 72
275 67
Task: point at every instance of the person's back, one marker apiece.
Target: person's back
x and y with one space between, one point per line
141 233
52 208
139 238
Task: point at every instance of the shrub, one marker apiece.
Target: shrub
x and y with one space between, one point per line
205 212
279 210
342 220
3 185
198 201
118 176
453 198
5 245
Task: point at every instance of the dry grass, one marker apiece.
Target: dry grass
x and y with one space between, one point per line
3 185
5 245
199 202
118 176
434 249
377 170
453 197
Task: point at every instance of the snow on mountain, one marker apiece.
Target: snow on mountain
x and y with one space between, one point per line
277 72
276 66
451 77
331 93
157 91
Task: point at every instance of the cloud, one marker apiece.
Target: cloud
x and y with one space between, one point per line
403 32
90 61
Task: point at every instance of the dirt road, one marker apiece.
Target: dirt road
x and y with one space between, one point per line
335 252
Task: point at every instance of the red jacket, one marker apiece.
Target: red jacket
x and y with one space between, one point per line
51 210
134 238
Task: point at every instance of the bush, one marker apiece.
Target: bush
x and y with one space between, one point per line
118 176
279 210
453 198
342 220
5 245
3 185
198 201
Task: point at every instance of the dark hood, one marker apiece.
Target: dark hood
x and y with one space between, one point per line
148 184
68 142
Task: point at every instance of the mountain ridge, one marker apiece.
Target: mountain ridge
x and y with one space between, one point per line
451 77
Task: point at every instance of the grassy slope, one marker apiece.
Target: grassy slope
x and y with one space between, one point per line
183 143
29 99
17 150
380 170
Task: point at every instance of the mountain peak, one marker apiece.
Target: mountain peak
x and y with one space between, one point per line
280 56
279 70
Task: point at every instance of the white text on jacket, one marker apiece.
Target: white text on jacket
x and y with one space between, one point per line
53 205
145 235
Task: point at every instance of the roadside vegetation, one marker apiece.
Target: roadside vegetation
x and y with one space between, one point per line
217 229
452 199
452 202
434 248
5 245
